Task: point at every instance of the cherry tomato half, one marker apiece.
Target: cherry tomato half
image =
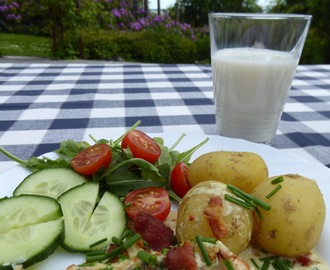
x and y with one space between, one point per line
154 200
92 159
141 146
179 179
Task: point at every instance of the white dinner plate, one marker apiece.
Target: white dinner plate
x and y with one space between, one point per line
278 162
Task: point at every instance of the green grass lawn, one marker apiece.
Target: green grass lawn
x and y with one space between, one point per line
24 45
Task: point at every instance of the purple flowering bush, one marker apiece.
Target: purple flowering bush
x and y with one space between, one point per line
9 15
130 16
23 16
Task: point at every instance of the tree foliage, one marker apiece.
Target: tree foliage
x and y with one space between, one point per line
195 12
70 17
317 46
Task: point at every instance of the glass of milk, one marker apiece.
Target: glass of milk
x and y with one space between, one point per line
254 58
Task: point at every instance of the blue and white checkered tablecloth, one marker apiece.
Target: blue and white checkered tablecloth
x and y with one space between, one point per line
42 104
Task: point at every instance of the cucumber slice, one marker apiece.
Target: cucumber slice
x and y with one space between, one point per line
49 182
25 210
88 220
32 228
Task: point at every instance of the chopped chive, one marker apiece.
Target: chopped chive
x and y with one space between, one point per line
249 198
126 234
277 266
98 242
254 263
273 191
147 257
127 244
110 255
288 263
96 252
86 264
203 250
165 250
116 240
277 180
113 253
228 265
131 241
268 258
239 202
281 264
265 265
209 240
258 212
95 258
240 193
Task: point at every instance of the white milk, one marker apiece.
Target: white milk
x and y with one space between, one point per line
250 90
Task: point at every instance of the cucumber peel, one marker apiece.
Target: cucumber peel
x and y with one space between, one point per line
31 229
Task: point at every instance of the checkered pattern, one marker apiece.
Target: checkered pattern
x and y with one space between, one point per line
42 104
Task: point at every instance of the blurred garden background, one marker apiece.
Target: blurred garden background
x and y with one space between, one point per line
129 30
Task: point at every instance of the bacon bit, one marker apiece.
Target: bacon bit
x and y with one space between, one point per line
215 201
181 257
304 260
213 213
191 218
153 231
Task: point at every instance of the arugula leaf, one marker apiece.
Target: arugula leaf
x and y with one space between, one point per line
12 157
186 156
125 186
71 148
132 174
37 164
143 165
165 156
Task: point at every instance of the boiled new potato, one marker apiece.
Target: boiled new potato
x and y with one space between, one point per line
242 169
293 225
205 211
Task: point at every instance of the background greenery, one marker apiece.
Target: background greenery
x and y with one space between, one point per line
24 45
128 30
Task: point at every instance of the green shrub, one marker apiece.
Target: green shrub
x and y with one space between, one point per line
203 49
148 46
315 49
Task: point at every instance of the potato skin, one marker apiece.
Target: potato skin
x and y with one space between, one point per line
294 224
192 221
242 169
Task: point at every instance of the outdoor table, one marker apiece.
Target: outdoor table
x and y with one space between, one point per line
45 103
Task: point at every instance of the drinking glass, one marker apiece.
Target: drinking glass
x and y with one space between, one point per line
254 58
